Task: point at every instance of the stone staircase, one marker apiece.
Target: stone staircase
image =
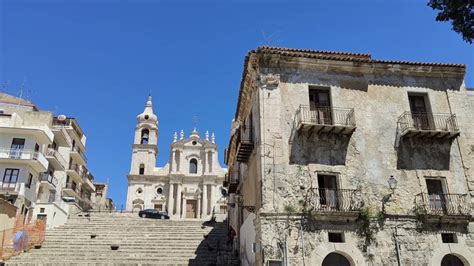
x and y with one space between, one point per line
87 240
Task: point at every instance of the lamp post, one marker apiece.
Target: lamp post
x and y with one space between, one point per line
392 183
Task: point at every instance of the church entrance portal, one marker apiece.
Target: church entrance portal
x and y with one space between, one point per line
191 208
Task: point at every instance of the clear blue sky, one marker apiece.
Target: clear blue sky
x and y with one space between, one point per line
98 61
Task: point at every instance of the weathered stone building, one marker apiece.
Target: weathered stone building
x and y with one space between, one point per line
340 159
188 186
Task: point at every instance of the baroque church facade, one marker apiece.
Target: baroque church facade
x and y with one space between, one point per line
189 186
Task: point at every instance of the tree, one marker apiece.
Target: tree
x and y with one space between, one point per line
460 12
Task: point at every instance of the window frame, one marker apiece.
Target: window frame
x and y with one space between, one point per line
193 162
11 175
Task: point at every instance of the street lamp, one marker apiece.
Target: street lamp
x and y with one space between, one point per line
392 183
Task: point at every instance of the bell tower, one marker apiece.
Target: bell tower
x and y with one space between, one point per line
144 148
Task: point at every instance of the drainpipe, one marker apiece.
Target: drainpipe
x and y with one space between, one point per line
397 248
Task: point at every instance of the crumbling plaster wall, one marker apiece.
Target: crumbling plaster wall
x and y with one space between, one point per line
416 247
371 153
371 156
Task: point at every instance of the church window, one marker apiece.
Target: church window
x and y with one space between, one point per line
145 136
194 142
141 170
159 191
146 117
139 191
193 166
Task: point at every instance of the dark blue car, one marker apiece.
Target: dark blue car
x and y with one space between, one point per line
152 213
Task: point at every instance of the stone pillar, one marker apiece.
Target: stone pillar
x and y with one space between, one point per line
178 201
204 201
183 207
213 201
173 161
171 199
199 214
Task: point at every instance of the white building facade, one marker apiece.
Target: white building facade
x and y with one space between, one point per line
42 162
189 186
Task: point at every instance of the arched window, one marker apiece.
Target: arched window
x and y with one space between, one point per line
145 136
193 166
141 170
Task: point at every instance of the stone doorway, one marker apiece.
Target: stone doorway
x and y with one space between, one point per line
191 208
334 259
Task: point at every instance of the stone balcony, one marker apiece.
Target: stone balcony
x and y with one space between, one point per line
50 181
334 204
56 159
443 207
428 125
245 143
329 120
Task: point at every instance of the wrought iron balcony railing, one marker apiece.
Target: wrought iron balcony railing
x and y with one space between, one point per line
326 116
335 200
436 124
443 204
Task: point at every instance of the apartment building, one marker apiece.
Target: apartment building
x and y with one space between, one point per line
341 159
42 162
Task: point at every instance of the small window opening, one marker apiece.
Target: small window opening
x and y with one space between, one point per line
449 238
194 142
145 136
146 117
141 171
139 191
41 210
336 237
159 191
193 166
30 180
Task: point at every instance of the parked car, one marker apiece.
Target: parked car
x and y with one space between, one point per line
152 213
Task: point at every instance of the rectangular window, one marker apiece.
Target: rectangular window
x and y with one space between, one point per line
16 148
336 237
449 238
30 180
41 210
10 178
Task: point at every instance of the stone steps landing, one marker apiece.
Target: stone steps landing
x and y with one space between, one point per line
141 242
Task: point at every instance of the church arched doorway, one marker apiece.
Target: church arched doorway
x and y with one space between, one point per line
451 260
335 259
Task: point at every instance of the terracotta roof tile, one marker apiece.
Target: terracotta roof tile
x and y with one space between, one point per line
344 56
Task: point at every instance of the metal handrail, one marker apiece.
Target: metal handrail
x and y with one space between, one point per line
48 178
428 121
19 154
335 200
443 204
334 116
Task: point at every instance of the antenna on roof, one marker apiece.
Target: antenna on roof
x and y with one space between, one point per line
22 88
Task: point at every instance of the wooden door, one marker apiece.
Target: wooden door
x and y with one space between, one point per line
191 208
327 190
419 112
436 195
320 104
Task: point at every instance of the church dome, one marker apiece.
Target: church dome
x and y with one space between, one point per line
148 116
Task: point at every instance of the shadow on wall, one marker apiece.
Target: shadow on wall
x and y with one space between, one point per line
214 248
327 149
422 154
434 83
